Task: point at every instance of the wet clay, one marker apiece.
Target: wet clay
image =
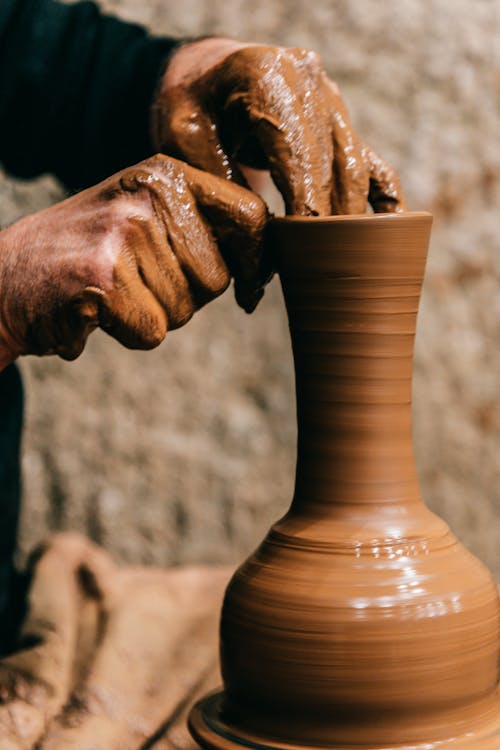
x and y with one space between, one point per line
360 621
222 103
137 255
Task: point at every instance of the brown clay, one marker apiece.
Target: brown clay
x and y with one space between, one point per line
137 254
360 621
222 103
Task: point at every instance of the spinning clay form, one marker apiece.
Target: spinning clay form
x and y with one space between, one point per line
360 623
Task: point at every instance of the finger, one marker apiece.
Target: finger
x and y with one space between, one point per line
350 176
130 312
189 234
239 219
385 194
160 270
268 94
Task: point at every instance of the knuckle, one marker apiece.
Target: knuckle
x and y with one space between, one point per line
162 166
136 179
252 58
307 56
306 62
150 176
158 160
313 59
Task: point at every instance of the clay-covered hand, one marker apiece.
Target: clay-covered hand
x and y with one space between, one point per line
222 103
137 255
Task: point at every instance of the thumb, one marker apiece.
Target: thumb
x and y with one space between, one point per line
239 220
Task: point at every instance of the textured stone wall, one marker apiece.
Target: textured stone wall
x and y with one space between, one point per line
187 453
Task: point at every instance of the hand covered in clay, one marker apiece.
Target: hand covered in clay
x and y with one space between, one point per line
222 103
136 255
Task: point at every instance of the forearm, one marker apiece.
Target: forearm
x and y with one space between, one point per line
8 351
76 89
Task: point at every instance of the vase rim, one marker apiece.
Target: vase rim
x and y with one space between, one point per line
341 218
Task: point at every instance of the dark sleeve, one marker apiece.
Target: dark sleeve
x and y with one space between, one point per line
76 88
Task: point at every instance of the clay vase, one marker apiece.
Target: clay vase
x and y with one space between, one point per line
360 623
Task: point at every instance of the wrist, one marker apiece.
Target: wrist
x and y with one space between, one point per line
193 58
7 350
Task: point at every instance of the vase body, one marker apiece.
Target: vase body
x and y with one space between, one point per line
360 621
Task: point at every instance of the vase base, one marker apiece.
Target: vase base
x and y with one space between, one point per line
211 731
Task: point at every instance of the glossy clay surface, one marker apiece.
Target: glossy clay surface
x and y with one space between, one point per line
360 621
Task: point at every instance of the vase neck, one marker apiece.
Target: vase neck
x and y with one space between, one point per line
353 352
352 292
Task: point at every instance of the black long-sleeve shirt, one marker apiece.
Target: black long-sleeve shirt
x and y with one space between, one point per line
75 90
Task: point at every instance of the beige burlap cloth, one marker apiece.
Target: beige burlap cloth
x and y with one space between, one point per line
109 658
